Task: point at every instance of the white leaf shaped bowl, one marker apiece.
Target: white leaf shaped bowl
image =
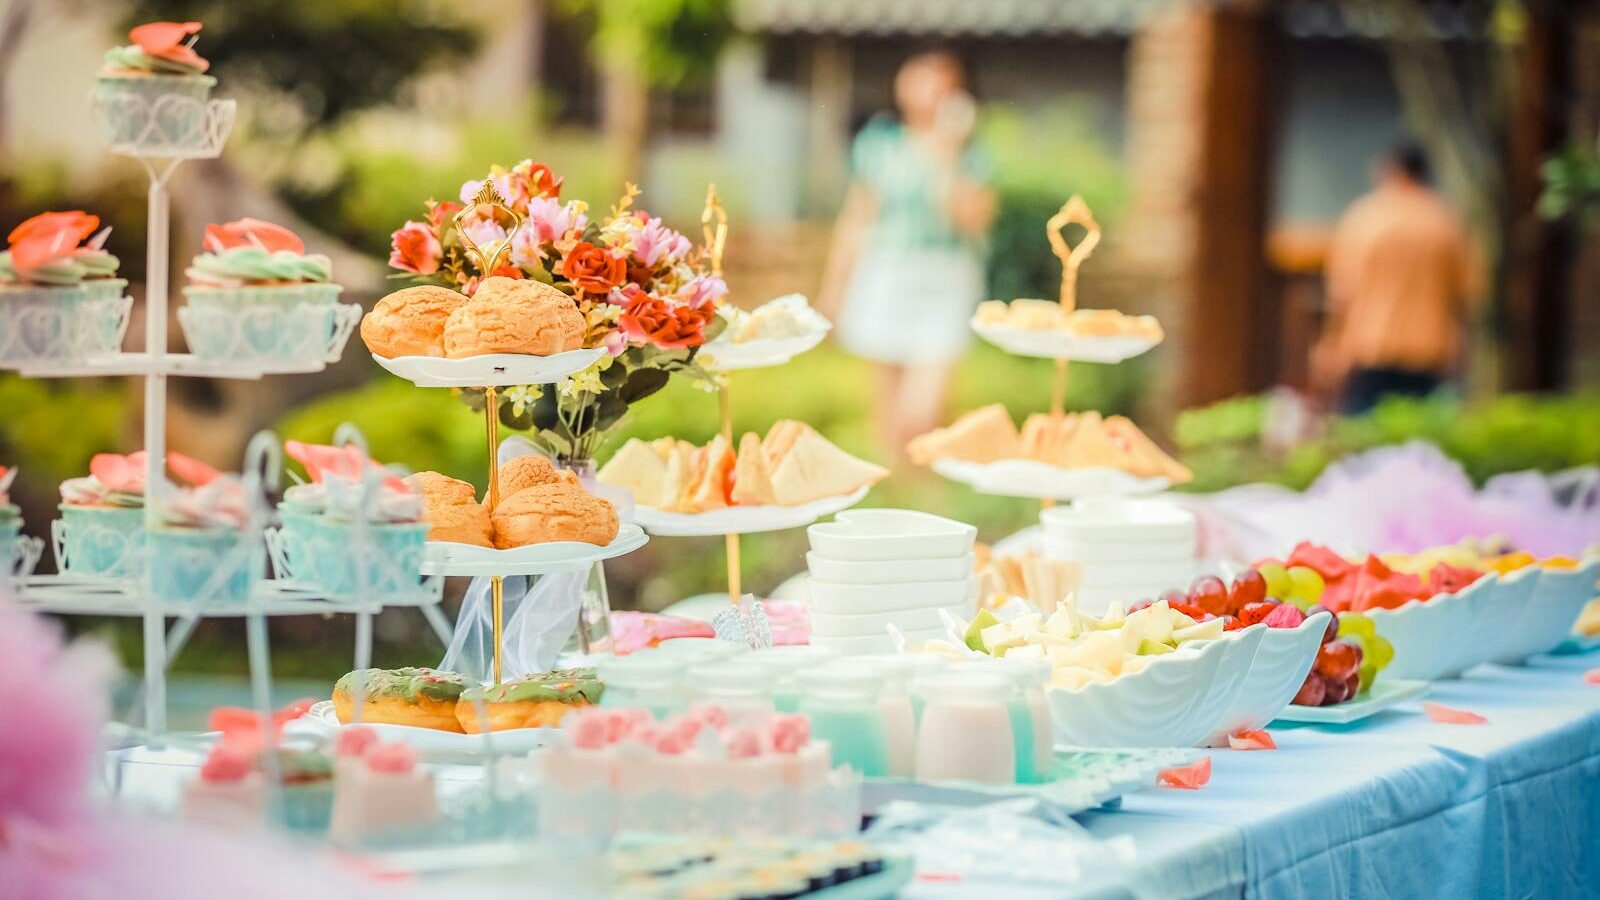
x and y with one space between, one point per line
878 535
1175 701
1553 606
1500 609
1280 667
1432 638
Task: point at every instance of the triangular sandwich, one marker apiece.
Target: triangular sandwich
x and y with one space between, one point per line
983 435
638 467
752 480
814 469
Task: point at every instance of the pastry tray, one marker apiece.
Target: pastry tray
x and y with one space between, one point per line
489 370
1042 481
743 519
1051 344
534 559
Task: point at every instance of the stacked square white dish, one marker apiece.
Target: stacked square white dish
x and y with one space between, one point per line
872 568
1131 549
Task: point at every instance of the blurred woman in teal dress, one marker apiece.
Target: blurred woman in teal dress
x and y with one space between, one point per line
905 269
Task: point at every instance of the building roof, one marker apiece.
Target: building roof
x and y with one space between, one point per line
1443 19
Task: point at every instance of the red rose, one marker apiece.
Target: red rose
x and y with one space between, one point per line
648 319
440 214
415 248
593 269
544 182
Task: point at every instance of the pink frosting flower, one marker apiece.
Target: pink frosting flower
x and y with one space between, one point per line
743 743
589 729
788 733
7 476
415 248
252 233
355 741
227 762
392 759
673 743
122 474
708 714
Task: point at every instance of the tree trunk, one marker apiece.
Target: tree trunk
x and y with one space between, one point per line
625 113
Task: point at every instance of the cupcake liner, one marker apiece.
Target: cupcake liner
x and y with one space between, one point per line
203 565
269 331
321 552
62 323
101 540
249 296
148 114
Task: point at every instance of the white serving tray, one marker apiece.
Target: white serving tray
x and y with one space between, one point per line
742 519
489 370
1042 481
1385 693
1062 345
431 742
533 559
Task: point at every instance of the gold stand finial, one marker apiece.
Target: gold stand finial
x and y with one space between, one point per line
487 204
1073 212
716 239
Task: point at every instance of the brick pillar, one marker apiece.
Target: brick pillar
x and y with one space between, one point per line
1199 165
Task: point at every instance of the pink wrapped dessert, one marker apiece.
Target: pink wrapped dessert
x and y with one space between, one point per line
230 792
378 789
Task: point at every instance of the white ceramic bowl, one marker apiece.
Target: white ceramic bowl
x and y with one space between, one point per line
878 535
1167 704
1280 667
1553 606
846 571
874 644
834 598
1430 637
871 624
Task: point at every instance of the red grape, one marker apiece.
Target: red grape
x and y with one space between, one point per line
1173 597
1353 683
1210 594
1248 588
1311 692
1251 613
1338 659
1333 622
1338 690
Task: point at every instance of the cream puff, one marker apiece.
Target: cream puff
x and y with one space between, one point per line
410 322
553 512
510 315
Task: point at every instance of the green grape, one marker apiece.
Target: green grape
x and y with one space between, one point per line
1305 582
1379 651
1301 603
1367 674
1356 623
1277 578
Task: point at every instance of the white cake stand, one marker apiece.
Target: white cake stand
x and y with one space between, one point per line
1037 480
736 520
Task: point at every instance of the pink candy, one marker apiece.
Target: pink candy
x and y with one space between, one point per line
392 759
227 763
590 729
355 741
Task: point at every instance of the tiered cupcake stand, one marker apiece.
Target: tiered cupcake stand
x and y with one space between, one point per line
489 373
1030 478
151 140
727 358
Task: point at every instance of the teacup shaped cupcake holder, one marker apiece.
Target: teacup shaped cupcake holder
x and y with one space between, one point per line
204 566
61 323
163 116
319 555
308 333
18 552
596 813
99 542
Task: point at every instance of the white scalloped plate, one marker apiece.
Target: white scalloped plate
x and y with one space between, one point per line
742 519
1385 692
323 721
489 370
728 356
1061 345
1280 667
1042 481
1553 607
534 559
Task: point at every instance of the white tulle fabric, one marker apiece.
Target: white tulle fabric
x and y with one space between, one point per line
1404 498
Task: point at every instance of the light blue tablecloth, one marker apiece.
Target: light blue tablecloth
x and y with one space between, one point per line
1396 806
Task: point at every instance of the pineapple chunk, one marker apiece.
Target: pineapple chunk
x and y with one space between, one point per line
1202 631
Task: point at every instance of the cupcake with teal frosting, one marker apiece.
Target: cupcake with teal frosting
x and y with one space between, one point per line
152 92
256 294
60 298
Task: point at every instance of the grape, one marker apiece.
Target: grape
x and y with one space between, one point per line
1356 623
1251 613
1139 605
1353 684
1379 652
1276 577
1338 659
1311 692
1306 583
1339 690
1210 594
1174 597
1248 588
1368 673
1333 622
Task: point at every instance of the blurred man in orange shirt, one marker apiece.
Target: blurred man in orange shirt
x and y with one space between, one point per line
1399 279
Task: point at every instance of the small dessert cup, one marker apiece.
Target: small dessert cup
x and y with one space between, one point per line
390 561
282 323
204 565
150 114
102 540
62 323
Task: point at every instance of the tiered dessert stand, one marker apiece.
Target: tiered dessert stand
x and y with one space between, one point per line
1030 478
490 373
727 358
160 151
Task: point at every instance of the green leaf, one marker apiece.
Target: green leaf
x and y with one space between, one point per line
641 384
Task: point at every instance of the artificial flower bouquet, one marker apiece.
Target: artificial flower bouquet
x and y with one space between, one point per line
645 290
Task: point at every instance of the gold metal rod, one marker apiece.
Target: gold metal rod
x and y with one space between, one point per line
1058 389
497 604
730 541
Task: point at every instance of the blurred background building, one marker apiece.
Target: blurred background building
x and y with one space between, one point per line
1217 140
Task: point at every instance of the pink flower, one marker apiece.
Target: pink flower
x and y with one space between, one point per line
702 290
655 243
551 220
512 190
415 248
614 343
